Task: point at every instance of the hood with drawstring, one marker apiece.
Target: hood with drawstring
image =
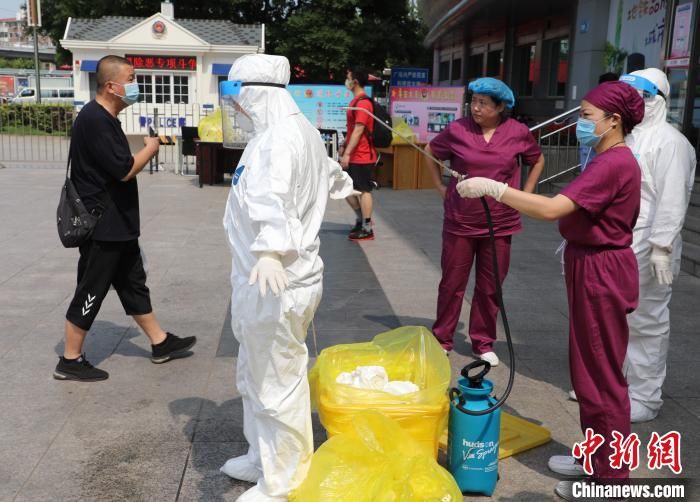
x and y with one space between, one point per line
264 105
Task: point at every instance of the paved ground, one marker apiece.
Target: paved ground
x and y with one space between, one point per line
161 432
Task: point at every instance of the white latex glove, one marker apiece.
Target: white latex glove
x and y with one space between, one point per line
269 271
661 265
473 188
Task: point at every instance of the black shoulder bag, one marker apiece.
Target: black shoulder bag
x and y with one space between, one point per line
75 223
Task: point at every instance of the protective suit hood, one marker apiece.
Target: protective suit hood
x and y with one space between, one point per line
264 105
654 108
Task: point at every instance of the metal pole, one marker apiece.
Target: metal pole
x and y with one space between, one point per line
36 67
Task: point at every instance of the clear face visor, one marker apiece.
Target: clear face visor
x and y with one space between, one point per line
647 89
236 123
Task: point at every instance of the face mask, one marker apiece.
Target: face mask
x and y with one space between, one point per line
585 132
131 93
348 84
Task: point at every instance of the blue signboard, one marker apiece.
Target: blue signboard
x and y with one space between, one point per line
409 77
324 105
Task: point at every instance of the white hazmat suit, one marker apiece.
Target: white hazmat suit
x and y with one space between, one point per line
273 215
667 161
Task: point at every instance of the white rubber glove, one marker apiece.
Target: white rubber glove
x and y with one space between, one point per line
661 265
269 271
473 188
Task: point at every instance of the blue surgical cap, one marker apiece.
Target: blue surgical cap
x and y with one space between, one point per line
494 88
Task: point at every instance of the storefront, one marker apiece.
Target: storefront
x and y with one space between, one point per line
179 63
682 66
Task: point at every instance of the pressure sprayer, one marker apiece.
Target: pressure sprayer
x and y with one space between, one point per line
475 415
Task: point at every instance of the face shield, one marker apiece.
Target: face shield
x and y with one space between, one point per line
237 125
647 89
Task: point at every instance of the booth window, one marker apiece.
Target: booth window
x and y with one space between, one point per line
558 66
145 87
525 57
157 88
181 91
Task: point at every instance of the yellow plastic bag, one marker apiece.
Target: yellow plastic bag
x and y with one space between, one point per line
210 128
409 353
375 461
402 132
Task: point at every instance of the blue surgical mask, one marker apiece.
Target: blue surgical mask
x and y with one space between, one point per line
585 132
131 93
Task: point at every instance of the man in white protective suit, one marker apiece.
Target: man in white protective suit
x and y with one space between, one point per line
667 160
273 215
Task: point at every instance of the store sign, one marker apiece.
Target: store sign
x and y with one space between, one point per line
427 110
680 45
7 85
637 26
324 105
176 63
409 77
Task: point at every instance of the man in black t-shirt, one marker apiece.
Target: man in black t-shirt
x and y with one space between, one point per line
104 173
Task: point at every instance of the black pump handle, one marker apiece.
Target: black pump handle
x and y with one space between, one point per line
461 401
478 378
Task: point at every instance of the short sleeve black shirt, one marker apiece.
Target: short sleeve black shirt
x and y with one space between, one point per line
100 158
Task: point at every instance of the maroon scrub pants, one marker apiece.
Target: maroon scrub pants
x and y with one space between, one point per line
458 254
602 287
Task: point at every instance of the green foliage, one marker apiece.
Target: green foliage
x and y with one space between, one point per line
325 37
36 119
321 37
614 58
18 64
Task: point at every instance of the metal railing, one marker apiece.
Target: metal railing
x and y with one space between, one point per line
35 133
557 139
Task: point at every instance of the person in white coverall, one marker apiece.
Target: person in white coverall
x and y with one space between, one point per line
667 161
273 215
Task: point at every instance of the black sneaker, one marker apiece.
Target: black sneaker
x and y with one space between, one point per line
78 369
356 228
362 235
173 347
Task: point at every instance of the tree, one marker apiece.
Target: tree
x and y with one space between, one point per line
321 38
325 37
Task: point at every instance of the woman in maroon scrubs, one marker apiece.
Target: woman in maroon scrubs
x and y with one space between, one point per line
596 212
484 144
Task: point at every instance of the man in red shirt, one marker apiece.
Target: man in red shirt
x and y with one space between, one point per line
358 155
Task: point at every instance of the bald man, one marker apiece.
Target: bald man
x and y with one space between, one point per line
104 173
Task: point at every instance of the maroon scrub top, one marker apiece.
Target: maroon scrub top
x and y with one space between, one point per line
463 144
608 192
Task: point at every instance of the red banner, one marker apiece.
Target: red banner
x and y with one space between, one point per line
175 63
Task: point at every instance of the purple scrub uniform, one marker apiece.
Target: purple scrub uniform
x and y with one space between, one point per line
602 283
465 231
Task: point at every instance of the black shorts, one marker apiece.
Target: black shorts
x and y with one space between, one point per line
104 264
361 175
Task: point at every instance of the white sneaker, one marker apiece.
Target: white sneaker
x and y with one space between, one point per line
640 413
489 357
565 490
572 396
242 468
565 465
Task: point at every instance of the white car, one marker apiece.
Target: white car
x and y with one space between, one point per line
49 95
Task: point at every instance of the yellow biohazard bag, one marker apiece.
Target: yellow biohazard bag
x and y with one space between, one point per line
375 461
210 128
402 133
409 353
